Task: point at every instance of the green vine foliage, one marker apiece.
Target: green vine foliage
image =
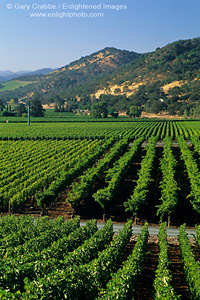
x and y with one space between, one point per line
144 178
168 185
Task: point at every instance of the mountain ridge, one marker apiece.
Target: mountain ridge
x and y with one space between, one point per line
170 73
9 75
96 65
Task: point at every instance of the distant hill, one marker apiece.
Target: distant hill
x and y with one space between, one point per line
9 75
167 79
94 66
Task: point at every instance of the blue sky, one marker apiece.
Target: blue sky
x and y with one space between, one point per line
33 43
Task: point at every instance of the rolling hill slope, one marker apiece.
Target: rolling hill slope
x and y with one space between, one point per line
88 68
166 79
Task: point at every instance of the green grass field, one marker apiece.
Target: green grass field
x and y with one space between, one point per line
13 84
51 116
